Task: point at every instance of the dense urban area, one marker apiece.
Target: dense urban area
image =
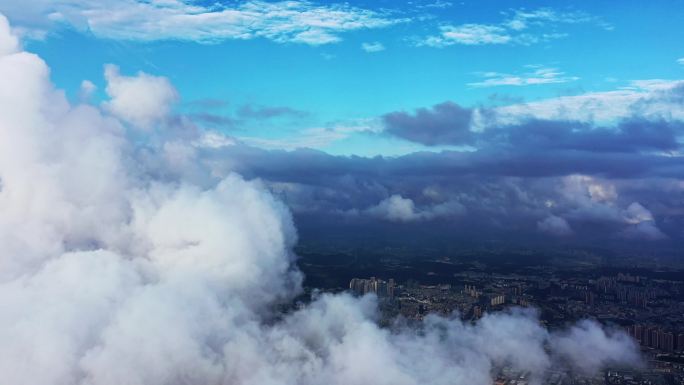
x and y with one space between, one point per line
645 302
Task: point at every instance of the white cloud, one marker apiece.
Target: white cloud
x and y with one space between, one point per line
597 201
399 209
439 4
141 100
469 34
211 139
283 21
584 188
524 28
538 75
642 223
680 60
636 213
395 208
646 98
8 42
573 342
373 47
524 19
87 90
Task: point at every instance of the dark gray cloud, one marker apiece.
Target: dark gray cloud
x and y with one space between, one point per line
310 165
450 124
631 135
508 194
445 123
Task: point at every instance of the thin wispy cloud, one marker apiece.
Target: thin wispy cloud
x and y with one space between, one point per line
310 138
250 111
538 75
285 21
439 4
373 47
315 137
523 19
647 98
522 27
470 34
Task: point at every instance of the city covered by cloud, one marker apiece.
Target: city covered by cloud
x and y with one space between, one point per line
141 248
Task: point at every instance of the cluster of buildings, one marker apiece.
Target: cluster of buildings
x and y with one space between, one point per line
491 299
657 338
414 301
650 310
379 287
625 288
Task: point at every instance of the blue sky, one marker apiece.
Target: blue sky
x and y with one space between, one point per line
491 119
570 48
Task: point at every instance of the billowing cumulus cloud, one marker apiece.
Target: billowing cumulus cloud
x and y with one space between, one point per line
395 208
8 42
399 209
141 100
643 223
117 271
578 338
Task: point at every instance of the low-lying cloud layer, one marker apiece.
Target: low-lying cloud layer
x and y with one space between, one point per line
517 169
552 158
121 264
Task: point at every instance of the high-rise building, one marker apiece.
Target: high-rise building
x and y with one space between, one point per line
497 299
653 338
668 342
471 290
590 298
